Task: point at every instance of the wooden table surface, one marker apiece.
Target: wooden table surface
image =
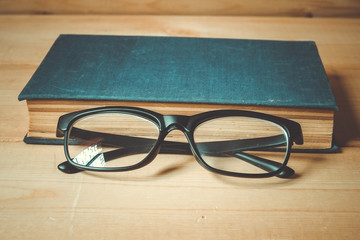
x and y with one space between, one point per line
174 197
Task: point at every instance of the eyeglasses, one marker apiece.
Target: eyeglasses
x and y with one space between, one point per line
230 142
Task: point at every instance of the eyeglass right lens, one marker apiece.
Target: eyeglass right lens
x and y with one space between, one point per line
241 144
111 140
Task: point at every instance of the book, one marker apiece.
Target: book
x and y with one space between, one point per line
182 75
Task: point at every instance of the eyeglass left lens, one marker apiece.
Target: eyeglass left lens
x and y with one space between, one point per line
111 140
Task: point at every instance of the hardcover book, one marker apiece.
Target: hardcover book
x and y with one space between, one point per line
180 75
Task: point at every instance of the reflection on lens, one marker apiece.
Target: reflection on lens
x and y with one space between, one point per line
241 144
111 140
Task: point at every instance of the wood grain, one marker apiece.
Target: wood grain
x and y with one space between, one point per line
298 8
174 197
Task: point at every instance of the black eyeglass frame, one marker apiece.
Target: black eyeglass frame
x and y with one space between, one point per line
186 124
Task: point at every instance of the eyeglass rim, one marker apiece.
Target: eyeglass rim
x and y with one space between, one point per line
291 128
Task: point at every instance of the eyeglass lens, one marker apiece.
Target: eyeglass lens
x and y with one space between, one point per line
241 144
111 140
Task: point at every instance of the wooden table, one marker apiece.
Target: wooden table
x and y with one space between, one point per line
174 198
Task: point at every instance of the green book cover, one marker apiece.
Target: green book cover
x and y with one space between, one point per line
182 70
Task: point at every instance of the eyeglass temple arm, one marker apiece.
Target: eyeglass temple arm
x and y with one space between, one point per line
218 148
262 163
232 148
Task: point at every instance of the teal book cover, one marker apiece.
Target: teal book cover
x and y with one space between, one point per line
182 70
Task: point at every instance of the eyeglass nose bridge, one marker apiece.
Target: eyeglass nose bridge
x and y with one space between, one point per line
178 122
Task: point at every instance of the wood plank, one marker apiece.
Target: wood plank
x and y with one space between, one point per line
298 8
174 191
